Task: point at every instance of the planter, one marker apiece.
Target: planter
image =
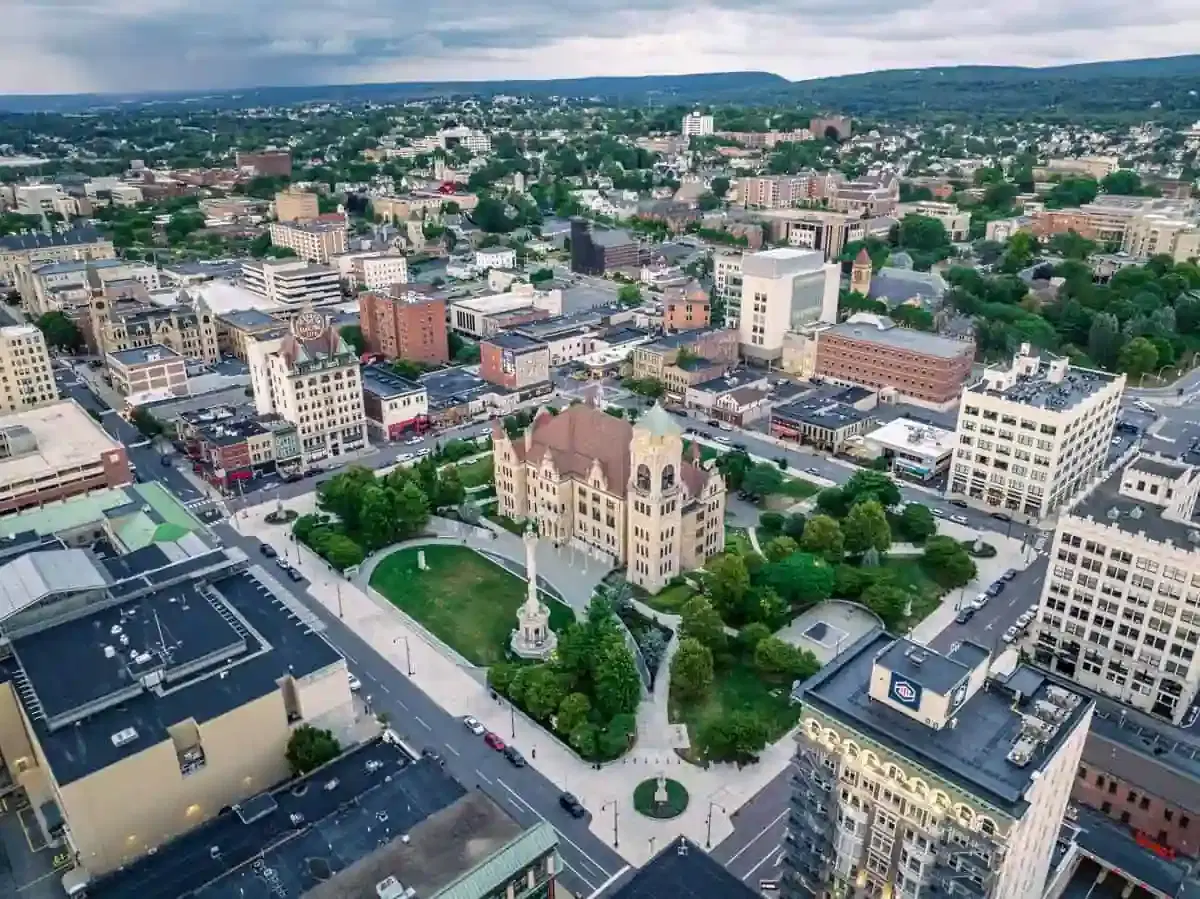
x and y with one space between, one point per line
675 805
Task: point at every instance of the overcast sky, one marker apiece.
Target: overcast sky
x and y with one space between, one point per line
67 46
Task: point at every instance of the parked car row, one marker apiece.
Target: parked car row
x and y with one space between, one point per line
1023 621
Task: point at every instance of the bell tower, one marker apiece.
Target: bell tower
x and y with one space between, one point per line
860 273
655 500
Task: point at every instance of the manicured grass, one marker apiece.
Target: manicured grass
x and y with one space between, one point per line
706 452
737 688
670 599
799 488
466 601
676 804
476 473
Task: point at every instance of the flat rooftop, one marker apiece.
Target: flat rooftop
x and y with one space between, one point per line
110 702
248 318
884 332
973 755
819 412
370 795
1113 844
1108 506
385 383
915 437
1039 391
66 437
455 385
518 343
141 355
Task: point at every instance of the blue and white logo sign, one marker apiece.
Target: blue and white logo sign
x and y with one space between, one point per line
904 691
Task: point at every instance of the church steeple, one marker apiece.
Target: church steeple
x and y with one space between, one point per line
860 273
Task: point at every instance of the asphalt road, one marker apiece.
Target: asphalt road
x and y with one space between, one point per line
523 792
753 851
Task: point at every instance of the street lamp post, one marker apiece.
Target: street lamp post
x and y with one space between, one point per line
337 585
512 719
408 666
708 823
616 834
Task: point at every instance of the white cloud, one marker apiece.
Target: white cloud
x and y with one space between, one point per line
138 45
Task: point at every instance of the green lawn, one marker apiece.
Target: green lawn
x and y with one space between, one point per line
706 452
463 599
514 527
477 473
799 488
670 599
740 688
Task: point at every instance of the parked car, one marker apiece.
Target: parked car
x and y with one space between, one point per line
1011 634
812 470
1024 620
965 614
413 441
937 513
995 588
1009 574
961 503
267 550
282 563
725 426
721 438
713 423
571 805
959 519
1040 544
980 601
295 575
422 452
494 741
1001 516
473 725
355 684
514 757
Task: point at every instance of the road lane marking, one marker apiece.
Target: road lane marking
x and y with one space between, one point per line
421 721
595 864
382 687
452 749
766 858
756 838
486 779
604 886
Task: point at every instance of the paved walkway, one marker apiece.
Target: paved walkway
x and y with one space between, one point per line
720 789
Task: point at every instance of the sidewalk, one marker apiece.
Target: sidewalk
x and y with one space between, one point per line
723 788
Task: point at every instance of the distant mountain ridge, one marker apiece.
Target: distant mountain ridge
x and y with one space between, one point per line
1128 85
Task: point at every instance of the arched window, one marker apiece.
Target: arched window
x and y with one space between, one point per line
643 477
668 477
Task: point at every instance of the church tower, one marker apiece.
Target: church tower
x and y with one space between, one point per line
655 500
860 273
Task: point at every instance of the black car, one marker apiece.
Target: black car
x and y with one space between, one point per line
713 423
964 615
961 503
295 575
1009 575
995 589
1001 516
166 461
571 805
267 550
514 757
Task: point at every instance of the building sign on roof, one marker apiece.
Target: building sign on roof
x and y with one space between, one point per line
309 325
903 691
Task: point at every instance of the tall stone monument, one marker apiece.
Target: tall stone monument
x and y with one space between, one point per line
533 638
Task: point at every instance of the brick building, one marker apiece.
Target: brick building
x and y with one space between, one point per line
410 326
597 252
686 310
871 351
515 362
265 163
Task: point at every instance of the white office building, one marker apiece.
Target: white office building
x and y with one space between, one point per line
1120 607
1031 435
292 283
495 257
697 125
727 284
783 290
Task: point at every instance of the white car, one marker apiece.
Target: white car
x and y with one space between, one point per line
413 441
721 438
980 601
1040 544
725 426
422 452
938 513
473 725
405 457
1033 610
959 519
355 684
1010 635
1023 619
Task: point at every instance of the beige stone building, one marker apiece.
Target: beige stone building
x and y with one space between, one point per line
604 485
316 241
26 380
1156 234
296 206
33 250
179 698
117 323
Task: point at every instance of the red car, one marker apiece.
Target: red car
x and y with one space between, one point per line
494 741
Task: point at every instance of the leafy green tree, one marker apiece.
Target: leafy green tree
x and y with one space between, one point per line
849 581
733 467
583 739
629 295
763 479
780 548
1072 192
1137 357
60 332
1105 340
923 233
541 276
889 602
572 712
947 562
719 187
691 670
728 582
770 523
450 487
492 216
751 635
794 525
801 579
866 527
700 621
377 523
1123 181
543 692
865 485
823 537
615 737
736 736
778 658
1071 246
916 523
618 684
309 748
411 511
353 335
144 420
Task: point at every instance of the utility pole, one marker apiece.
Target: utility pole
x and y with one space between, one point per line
408 658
